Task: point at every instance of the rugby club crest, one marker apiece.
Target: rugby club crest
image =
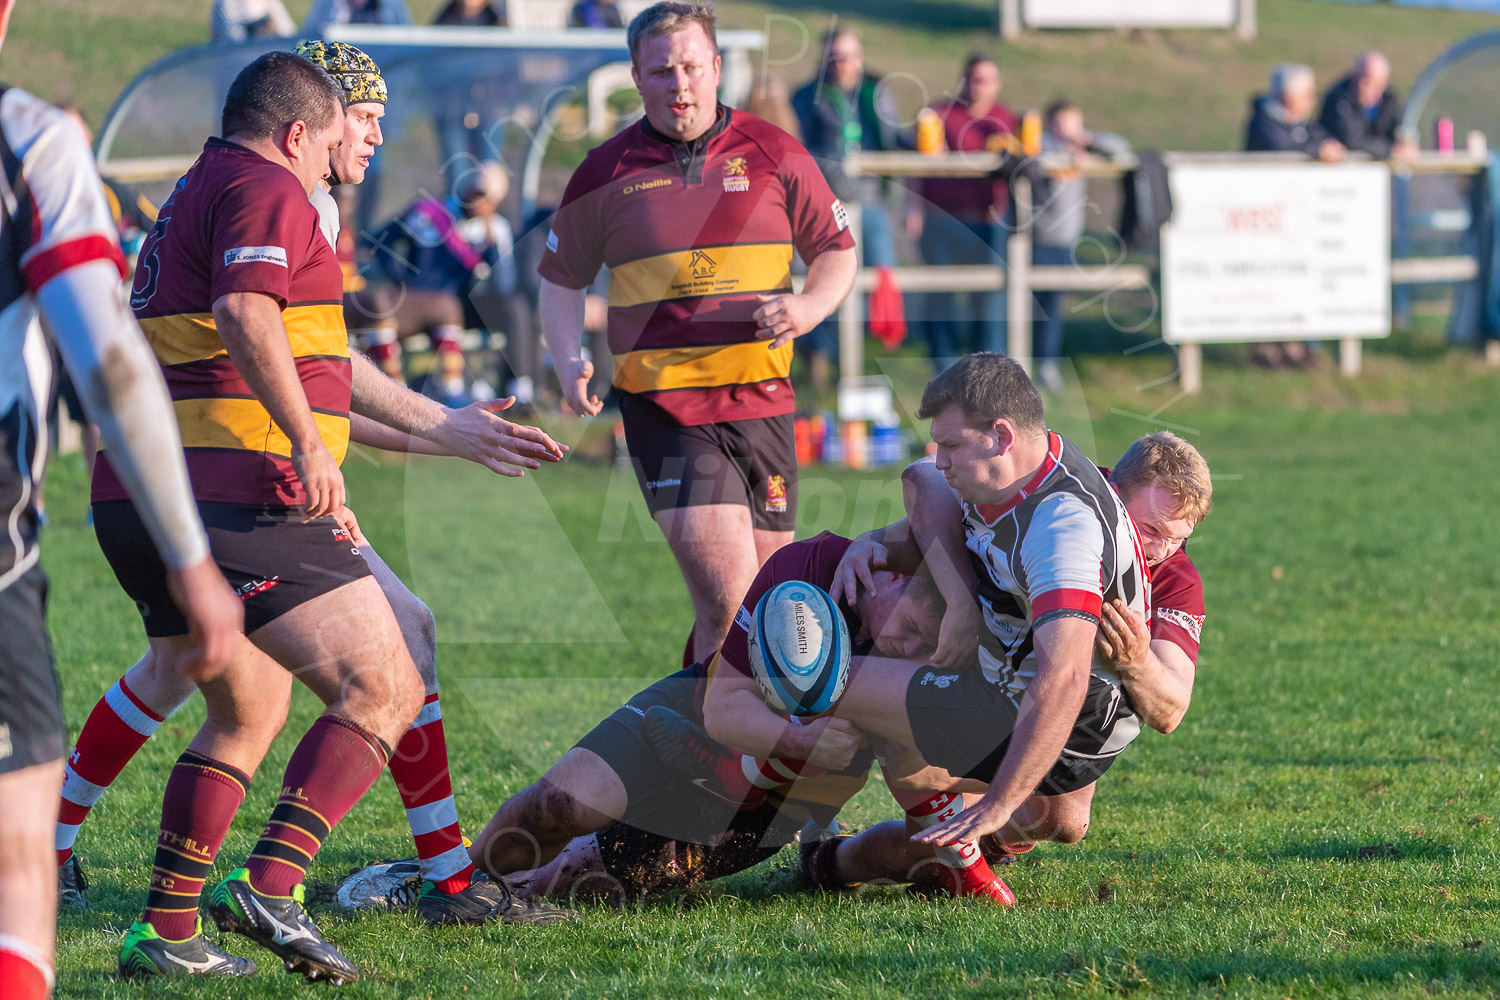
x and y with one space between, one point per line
776 495
736 174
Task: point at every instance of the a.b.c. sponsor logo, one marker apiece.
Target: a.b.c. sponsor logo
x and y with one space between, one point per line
776 495
840 215
736 174
702 266
256 255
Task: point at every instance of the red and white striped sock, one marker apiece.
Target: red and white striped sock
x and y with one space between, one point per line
419 766
24 973
773 772
965 859
117 728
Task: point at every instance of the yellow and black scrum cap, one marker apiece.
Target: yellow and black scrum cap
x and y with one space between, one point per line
354 71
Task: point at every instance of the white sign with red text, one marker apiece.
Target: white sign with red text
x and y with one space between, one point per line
1129 13
1291 251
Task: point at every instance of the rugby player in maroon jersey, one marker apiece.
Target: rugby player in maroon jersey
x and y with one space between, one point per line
698 211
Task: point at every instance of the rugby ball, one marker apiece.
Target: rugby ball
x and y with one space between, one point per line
799 648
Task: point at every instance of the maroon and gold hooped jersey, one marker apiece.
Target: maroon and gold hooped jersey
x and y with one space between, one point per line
692 233
239 223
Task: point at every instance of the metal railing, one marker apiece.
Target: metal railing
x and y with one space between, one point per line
1019 278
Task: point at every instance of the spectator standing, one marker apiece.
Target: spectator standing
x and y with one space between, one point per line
843 110
326 12
1282 119
1363 112
1061 213
474 14
962 223
238 20
595 14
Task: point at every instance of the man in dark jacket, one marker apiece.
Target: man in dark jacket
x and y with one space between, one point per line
1281 120
1362 112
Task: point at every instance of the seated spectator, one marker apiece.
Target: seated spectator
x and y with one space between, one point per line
238 20
1281 120
962 223
474 14
1061 213
1363 112
326 12
595 14
452 265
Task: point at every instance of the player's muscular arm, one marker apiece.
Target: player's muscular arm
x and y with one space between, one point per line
251 328
1048 711
474 432
1157 674
937 521
782 318
735 714
561 314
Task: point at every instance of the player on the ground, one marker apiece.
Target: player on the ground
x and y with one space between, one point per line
59 257
697 211
612 773
139 702
1054 543
1165 485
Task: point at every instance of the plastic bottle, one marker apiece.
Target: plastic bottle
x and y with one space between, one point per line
1031 133
930 138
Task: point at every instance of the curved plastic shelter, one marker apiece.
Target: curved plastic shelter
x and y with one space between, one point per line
1460 84
455 93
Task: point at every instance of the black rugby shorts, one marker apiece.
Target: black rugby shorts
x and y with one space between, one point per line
31 722
751 462
273 559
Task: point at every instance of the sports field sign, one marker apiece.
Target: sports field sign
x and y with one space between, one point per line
1129 13
1276 252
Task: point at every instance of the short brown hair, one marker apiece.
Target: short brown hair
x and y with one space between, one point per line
276 90
1167 462
668 18
987 387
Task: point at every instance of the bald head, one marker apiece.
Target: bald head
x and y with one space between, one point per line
1372 75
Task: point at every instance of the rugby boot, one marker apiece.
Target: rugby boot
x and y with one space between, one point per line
818 869
977 880
146 953
997 852
382 885
72 887
280 924
483 900
686 749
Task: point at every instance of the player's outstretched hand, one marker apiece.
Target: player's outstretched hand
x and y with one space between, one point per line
783 318
319 472
477 433
857 569
834 742
215 617
958 636
1124 639
974 822
574 374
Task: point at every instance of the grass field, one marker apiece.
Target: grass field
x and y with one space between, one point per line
1321 825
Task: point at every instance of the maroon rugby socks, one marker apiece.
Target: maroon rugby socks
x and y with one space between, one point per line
336 763
200 802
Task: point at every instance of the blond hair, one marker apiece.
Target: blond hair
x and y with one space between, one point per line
668 18
1167 462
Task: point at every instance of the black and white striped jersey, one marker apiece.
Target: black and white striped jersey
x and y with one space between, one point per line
53 216
1061 547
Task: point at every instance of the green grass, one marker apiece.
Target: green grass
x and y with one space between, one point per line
1321 825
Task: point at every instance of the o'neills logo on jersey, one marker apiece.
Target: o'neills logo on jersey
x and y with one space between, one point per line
736 174
646 185
776 495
